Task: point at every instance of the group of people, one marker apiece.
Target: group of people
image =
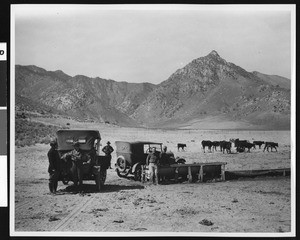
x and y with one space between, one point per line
153 160
79 159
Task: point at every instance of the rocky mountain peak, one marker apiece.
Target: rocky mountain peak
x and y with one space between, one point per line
214 53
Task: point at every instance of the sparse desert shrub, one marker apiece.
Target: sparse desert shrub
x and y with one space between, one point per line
262 88
29 133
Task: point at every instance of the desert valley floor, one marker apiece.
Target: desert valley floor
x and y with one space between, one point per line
259 205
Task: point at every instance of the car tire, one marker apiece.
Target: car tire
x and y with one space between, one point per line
138 173
100 180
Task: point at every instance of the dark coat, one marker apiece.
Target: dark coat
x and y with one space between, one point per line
54 160
107 150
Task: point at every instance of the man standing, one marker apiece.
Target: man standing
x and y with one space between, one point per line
108 150
76 155
152 161
54 166
163 156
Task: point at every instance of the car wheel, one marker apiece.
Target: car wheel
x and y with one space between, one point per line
65 181
138 173
100 180
121 164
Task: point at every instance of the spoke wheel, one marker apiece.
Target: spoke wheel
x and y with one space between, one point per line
121 164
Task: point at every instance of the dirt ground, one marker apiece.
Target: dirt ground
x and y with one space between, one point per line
259 205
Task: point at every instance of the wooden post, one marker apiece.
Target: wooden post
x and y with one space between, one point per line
284 173
223 172
190 177
200 175
176 174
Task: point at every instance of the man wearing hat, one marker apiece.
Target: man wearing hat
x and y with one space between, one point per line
152 161
54 166
108 150
163 156
76 155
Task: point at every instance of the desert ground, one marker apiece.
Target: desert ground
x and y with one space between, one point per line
127 207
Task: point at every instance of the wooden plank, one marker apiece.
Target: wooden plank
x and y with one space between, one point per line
198 164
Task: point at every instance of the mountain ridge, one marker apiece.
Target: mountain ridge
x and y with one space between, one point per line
207 87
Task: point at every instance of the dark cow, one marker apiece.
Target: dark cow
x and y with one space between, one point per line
258 143
206 143
181 145
240 144
270 145
248 145
215 144
224 145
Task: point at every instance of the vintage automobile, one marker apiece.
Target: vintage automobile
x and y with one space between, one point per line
131 157
89 141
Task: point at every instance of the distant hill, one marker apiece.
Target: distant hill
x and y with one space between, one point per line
207 93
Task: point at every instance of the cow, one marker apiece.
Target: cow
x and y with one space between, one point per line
240 144
259 143
224 145
206 143
181 145
270 145
215 144
249 145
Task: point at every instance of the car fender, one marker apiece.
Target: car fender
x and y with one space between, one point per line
121 156
135 166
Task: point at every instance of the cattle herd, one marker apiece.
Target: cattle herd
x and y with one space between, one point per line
240 145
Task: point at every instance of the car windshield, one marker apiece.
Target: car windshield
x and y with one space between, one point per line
148 147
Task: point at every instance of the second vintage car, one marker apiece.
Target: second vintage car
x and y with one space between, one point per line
131 157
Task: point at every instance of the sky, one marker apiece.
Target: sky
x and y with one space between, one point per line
148 44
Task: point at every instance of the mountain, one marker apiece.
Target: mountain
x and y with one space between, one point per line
207 93
212 91
274 80
80 97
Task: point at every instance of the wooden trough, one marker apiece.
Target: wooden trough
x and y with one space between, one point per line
201 172
192 172
257 173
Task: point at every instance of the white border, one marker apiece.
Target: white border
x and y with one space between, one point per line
293 120
157 7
